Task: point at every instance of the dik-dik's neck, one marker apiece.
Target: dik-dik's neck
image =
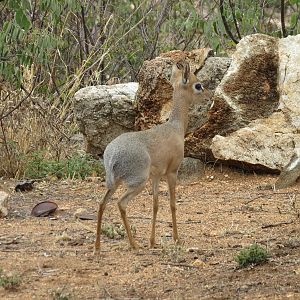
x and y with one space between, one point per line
179 115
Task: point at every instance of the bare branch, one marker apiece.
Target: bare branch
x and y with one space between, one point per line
28 94
282 12
86 44
226 24
234 19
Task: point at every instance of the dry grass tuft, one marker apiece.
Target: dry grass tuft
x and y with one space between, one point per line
28 125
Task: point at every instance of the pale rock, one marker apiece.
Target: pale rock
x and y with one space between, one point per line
3 204
190 169
251 118
103 112
289 78
247 91
263 143
269 141
80 211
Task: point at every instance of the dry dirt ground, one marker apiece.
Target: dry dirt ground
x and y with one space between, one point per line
217 217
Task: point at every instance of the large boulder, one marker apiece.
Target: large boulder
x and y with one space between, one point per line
103 112
289 79
247 91
270 140
263 144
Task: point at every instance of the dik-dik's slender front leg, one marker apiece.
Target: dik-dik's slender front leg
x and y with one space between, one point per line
155 184
171 179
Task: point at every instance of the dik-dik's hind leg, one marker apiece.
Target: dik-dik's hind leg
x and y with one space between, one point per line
155 184
102 205
123 202
171 179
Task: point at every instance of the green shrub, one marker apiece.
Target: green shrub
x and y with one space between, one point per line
9 282
77 166
61 294
253 255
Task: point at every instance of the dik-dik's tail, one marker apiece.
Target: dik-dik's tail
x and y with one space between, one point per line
111 165
110 179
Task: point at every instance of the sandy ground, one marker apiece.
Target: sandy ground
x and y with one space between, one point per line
217 217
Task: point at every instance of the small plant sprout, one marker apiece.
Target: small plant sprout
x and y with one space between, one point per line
9 282
61 294
114 231
174 252
252 256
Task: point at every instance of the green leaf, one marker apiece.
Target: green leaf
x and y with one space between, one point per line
26 4
294 2
22 20
215 26
294 19
14 4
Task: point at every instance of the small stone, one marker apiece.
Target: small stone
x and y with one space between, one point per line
192 249
167 235
93 179
3 204
199 263
79 212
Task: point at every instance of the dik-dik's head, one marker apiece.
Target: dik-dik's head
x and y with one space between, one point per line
185 83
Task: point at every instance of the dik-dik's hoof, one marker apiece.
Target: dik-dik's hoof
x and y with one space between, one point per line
134 246
177 242
152 244
96 250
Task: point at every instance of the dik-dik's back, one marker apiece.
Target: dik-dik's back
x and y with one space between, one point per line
133 157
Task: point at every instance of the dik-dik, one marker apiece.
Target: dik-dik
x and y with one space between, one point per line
132 158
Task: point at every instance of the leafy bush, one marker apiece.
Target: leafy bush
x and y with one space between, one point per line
76 166
253 255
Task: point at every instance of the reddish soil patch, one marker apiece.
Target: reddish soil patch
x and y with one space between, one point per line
217 218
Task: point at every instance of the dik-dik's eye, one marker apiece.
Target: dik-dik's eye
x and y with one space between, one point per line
198 87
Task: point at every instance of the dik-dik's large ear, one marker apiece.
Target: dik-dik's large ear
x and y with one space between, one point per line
185 67
180 73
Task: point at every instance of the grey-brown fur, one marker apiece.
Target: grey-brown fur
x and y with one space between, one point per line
133 158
